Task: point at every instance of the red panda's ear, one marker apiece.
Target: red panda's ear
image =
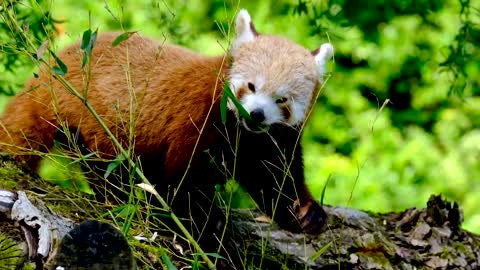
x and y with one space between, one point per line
244 29
322 55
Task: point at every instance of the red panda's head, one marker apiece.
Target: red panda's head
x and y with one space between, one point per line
274 78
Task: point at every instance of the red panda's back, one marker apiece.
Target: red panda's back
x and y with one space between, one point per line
161 93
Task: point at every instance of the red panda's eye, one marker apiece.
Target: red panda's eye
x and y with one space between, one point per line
251 87
281 100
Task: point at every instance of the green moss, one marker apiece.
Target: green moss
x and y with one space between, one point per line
11 254
28 266
10 175
6 181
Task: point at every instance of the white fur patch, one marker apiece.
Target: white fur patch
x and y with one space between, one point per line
322 57
259 82
283 90
259 101
298 111
243 31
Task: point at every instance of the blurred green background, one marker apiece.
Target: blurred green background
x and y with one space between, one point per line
419 58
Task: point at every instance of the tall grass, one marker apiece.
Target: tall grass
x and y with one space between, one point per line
136 211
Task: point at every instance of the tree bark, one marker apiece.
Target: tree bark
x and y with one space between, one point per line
36 216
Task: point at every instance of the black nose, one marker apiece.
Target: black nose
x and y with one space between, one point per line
257 115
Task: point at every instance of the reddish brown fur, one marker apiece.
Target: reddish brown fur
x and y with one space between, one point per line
173 90
173 87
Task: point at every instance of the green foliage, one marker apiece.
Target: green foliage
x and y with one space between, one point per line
409 55
35 18
424 140
61 69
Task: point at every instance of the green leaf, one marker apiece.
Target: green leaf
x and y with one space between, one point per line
320 252
93 39
61 69
86 39
121 38
227 93
88 42
58 71
166 260
113 165
215 255
223 105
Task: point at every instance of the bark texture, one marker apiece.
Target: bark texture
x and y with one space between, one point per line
35 216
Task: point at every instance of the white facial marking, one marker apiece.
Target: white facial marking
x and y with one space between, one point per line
259 101
297 114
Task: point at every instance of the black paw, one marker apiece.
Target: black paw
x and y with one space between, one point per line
311 217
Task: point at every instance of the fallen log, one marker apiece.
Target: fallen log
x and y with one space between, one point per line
36 216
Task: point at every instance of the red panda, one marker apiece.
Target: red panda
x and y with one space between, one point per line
171 97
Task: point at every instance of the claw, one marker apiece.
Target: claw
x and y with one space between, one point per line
311 216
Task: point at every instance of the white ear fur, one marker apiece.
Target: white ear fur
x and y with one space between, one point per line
322 56
244 31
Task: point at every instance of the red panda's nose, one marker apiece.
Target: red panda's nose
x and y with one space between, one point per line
257 115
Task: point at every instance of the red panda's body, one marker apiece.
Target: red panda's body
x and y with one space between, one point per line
167 110
170 98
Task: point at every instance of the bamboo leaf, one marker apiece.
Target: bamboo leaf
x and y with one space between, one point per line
227 93
223 105
61 69
121 38
113 165
88 42
58 71
86 39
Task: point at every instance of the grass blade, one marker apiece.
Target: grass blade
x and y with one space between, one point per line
320 252
166 260
325 188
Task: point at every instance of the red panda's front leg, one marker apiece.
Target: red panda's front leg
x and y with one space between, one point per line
276 181
308 211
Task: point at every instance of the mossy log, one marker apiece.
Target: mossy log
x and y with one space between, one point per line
36 215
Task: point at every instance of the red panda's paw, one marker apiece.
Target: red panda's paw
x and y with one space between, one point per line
311 216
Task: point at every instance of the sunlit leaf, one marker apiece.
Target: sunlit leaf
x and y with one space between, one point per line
121 38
